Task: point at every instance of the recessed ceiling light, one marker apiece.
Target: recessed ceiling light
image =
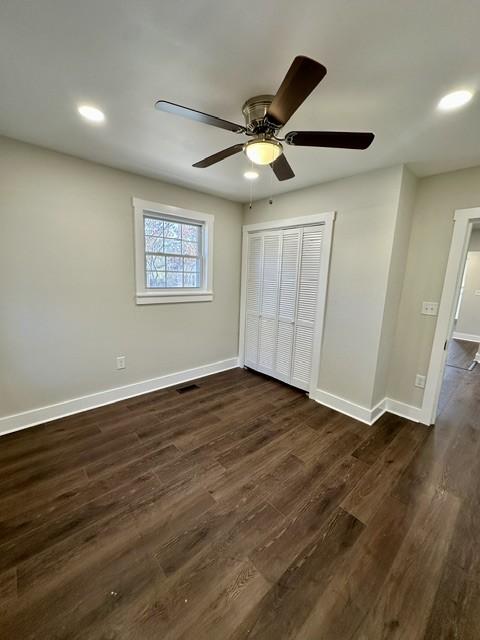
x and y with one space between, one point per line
92 114
250 175
455 100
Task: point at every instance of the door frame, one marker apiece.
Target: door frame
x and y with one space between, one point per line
326 219
462 229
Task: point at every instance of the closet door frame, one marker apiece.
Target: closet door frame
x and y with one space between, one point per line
326 219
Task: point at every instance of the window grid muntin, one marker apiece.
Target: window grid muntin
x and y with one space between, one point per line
199 257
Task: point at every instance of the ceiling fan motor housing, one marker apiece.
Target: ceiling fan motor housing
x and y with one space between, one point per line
254 111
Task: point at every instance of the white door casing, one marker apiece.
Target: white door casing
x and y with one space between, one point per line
463 220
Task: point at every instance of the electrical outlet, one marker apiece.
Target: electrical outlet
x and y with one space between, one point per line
430 308
121 364
420 381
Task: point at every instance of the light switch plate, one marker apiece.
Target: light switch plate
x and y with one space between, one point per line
430 308
477 292
420 381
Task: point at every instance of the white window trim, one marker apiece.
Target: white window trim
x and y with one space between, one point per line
157 296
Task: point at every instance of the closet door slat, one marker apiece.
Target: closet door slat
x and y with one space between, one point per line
253 298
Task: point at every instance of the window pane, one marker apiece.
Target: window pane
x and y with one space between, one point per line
191 264
155 263
172 229
190 232
190 280
172 253
153 245
155 279
172 246
174 280
153 227
190 248
174 264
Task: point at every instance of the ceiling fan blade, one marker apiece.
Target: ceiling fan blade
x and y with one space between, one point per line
301 79
199 116
334 139
217 157
282 169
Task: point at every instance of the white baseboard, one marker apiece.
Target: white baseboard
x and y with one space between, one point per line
368 416
364 414
33 417
404 410
469 337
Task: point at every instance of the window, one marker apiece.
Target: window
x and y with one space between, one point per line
173 254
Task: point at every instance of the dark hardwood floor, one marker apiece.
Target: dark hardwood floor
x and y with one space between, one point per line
242 509
461 353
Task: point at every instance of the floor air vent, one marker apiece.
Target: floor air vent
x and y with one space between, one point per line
188 387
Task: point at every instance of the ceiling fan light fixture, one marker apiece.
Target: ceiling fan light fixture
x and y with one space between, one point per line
263 151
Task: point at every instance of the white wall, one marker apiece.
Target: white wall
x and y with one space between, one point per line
67 282
364 230
436 200
399 252
468 321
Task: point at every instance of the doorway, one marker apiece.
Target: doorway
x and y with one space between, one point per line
455 346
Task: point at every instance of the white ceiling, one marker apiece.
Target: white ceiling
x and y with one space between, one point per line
388 64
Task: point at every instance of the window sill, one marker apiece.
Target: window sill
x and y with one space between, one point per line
174 297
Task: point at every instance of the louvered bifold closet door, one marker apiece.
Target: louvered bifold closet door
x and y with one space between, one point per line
253 298
307 297
272 246
287 302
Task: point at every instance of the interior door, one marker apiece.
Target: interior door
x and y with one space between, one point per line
283 269
253 298
287 303
306 308
272 247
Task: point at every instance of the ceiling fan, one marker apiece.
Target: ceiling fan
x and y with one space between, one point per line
266 115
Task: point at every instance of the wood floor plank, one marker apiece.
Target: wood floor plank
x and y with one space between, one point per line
456 608
74 599
8 589
464 551
25 477
383 432
17 550
70 498
286 542
357 584
383 475
259 463
230 607
29 497
284 608
186 597
404 605
218 520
